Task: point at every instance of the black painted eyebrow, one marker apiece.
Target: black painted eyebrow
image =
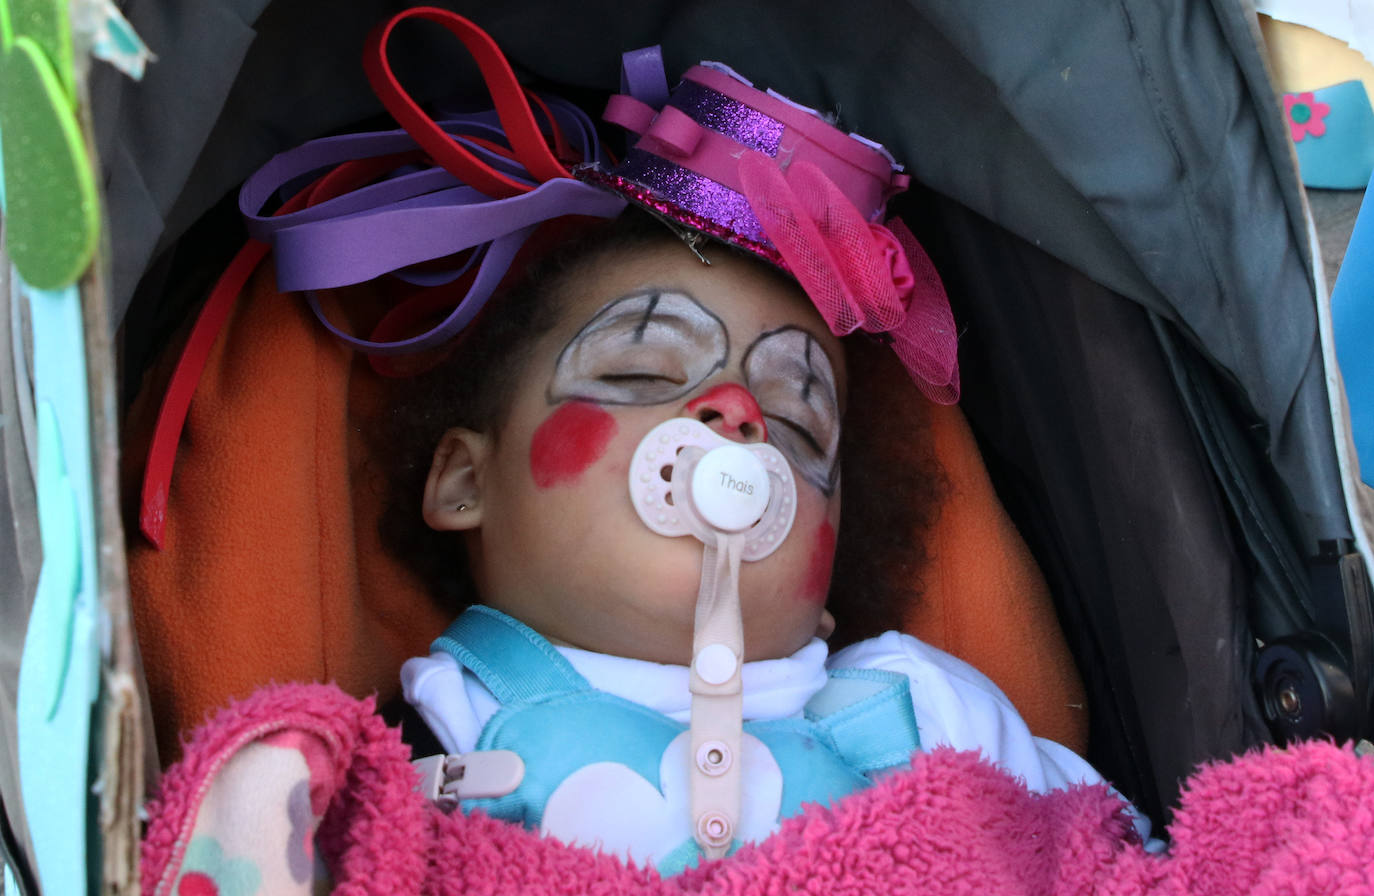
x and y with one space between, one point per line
607 315
810 373
648 313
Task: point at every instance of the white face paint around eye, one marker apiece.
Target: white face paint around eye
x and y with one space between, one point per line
788 372
641 349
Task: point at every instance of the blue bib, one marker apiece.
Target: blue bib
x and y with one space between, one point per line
861 722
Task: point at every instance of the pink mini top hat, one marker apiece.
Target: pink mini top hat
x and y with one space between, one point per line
720 157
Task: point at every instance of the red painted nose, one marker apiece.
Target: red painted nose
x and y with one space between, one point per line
731 410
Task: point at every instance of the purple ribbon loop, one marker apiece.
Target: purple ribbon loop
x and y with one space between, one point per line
412 216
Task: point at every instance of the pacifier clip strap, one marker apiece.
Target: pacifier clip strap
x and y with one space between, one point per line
717 698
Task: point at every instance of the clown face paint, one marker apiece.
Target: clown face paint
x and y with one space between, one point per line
738 409
790 375
573 438
819 568
559 544
643 349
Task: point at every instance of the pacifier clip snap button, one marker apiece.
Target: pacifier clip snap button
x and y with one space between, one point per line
716 664
714 757
715 830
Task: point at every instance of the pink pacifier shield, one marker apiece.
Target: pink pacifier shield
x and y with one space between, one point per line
686 479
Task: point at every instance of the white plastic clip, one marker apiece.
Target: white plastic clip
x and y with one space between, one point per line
481 774
717 698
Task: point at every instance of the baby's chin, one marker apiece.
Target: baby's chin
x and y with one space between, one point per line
653 602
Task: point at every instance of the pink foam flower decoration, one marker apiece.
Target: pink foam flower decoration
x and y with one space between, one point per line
1305 115
894 259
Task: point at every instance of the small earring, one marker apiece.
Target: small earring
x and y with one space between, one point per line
462 507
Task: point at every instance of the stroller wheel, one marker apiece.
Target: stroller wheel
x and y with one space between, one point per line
1305 689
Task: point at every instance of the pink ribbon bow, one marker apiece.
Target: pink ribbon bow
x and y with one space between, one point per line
859 274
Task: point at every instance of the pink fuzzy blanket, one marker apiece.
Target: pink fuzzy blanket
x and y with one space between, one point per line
304 767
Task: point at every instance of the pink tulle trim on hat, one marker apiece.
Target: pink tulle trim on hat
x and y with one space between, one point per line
860 275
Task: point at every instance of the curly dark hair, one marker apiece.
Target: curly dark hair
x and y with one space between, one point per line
890 492
892 488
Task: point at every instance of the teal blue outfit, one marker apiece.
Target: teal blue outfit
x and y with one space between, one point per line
860 723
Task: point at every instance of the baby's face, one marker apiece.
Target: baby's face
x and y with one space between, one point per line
646 337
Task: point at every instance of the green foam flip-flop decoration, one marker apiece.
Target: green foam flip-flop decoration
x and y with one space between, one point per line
45 23
51 209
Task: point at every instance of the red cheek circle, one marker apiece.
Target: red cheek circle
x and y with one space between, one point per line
571 440
817 585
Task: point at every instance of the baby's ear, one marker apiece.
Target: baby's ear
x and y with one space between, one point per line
453 494
825 626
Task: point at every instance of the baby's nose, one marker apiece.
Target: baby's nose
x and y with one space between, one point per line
732 411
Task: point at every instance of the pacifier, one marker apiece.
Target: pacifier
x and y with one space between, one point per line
740 501
686 479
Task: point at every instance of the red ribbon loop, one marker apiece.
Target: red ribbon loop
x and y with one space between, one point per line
509 98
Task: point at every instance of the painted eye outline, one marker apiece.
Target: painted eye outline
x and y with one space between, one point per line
814 454
590 366
800 431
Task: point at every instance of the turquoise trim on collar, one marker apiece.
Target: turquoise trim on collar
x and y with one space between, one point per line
1333 130
868 714
523 664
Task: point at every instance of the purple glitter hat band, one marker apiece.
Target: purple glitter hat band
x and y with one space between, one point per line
694 192
685 165
727 116
653 200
